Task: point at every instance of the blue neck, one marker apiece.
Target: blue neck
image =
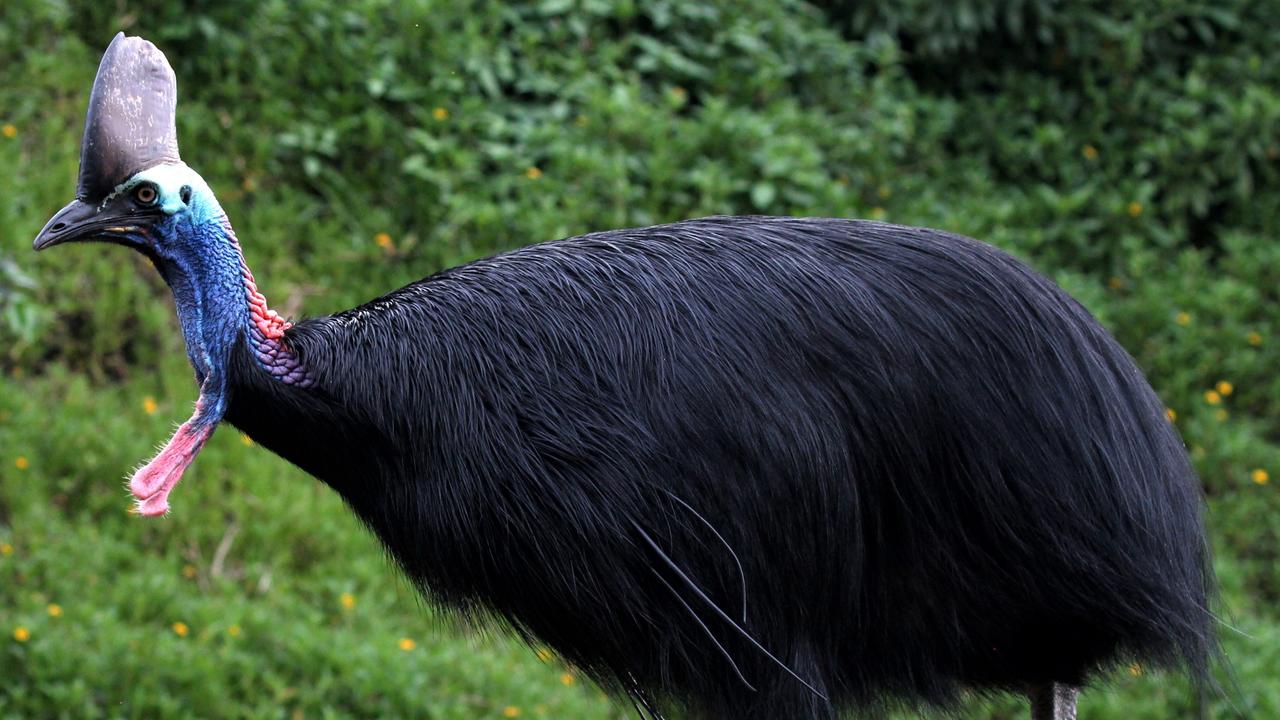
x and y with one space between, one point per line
218 304
201 265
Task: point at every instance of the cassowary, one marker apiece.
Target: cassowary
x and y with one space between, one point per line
737 467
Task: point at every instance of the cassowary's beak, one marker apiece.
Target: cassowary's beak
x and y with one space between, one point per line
80 220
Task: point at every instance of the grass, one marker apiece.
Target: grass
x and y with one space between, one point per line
263 597
255 564
359 149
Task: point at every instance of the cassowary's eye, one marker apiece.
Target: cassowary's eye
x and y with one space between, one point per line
145 194
185 194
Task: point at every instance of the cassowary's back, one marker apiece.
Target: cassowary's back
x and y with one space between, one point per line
896 459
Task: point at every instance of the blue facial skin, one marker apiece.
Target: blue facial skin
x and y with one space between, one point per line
194 248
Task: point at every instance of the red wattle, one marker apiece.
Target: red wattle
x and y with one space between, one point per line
268 321
152 484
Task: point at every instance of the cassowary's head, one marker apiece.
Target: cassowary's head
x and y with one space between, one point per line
135 191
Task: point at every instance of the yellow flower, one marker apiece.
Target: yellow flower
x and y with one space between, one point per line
149 405
6 549
1135 669
1135 209
1115 282
1183 318
55 610
679 92
189 571
383 241
21 634
1224 387
1212 397
248 184
533 173
1221 415
406 644
1255 338
1260 476
180 629
1090 152
884 192
1171 414
9 131
348 601
246 439
511 711
566 679
877 213
234 631
544 655
440 114
22 463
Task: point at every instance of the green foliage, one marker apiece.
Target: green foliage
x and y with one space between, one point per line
1128 149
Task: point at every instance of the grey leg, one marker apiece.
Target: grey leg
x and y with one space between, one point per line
1054 701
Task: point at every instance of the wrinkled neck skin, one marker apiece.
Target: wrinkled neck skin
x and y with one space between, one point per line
212 305
218 303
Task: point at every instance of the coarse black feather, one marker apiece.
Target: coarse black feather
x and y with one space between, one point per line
762 467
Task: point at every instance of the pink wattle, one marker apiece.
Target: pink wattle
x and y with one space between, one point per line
151 485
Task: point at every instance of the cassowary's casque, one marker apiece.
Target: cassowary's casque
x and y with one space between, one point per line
738 467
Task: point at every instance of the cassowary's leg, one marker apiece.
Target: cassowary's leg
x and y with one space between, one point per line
1054 701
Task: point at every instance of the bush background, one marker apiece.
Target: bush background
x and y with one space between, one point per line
1126 148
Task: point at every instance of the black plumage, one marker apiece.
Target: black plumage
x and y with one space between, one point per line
761 467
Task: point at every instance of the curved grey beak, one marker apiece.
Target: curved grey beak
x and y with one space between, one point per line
81 220
77 221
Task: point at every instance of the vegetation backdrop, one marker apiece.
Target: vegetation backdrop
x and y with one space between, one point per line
1127 148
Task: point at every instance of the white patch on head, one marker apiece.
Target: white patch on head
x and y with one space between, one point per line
169 179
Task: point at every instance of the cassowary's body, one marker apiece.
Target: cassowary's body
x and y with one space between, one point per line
746 467
896 458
